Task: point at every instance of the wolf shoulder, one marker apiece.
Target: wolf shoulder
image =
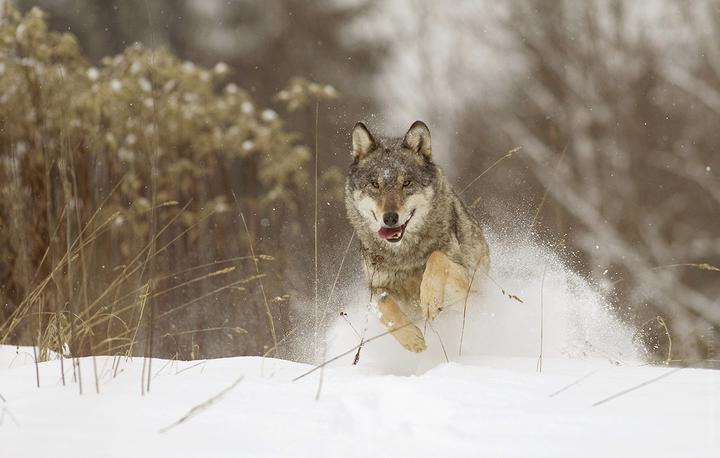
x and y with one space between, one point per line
469 246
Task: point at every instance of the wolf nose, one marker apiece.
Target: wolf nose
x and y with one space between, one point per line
390 218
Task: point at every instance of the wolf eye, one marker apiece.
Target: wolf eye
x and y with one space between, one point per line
407 183
375 184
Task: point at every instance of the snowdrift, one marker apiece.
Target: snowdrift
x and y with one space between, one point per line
593 396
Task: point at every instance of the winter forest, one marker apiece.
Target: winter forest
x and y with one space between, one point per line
172 192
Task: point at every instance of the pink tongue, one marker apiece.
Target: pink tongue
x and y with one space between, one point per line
389 232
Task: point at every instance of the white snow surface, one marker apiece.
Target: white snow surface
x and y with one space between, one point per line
476 406
490 402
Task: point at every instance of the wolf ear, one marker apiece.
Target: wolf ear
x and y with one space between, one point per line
417 139
362 141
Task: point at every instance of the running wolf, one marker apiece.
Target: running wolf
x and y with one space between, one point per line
420 245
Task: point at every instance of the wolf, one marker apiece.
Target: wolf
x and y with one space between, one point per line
420 245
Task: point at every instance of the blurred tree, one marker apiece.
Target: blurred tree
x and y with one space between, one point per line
260 45
613 144
614 106
118 185
264 43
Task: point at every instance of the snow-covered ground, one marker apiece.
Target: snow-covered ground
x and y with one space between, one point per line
470 407
593 397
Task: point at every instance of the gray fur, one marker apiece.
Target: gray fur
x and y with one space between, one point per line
446 225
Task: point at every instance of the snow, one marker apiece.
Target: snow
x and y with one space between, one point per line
594 396
470 407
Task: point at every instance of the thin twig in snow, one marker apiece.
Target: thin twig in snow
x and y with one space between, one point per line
442 345
344 317
572 384
6 411
320 384
315 231
465 305
636 387
538 211
701 266
95 372
188 368
662 323
356 360
538 368
201 407
316 282
37 366
337 277
356 347
167 363
271 320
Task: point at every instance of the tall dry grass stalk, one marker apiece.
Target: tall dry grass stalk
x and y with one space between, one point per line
114 187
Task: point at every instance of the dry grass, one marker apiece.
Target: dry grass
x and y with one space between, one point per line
117 234
110 320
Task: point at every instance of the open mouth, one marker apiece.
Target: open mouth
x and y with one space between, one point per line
395 234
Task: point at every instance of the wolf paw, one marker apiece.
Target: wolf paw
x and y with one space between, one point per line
411 338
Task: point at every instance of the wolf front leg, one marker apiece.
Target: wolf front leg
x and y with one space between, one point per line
442 283
400 326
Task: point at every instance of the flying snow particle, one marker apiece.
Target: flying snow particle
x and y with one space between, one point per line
115 85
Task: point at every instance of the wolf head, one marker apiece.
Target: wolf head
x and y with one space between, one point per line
391 184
